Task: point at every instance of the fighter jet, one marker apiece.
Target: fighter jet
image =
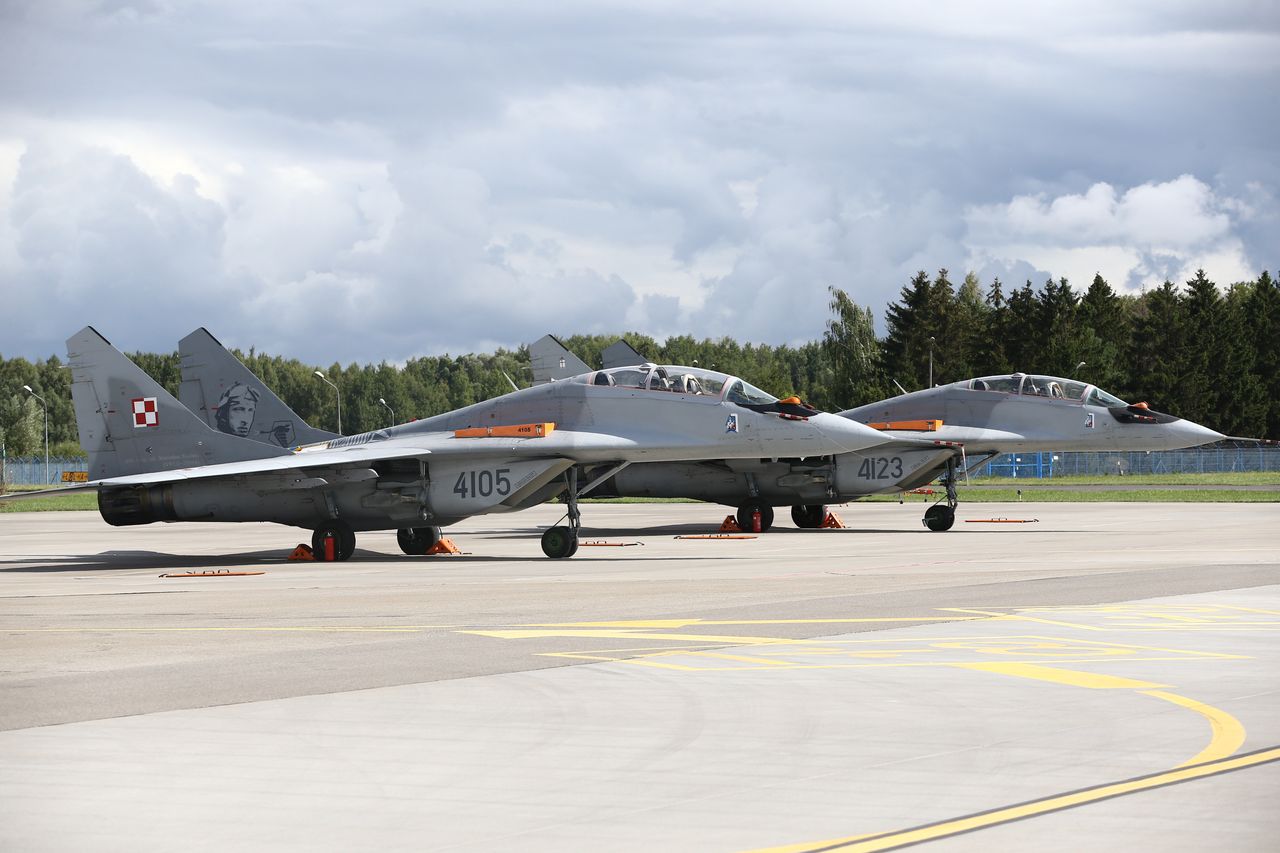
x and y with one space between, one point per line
965 424
151 459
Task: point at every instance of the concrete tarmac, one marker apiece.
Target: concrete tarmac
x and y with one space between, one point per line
1104 676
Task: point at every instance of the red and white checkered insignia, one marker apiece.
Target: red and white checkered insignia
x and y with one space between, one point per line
145 413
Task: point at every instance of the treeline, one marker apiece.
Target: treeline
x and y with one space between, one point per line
1199 351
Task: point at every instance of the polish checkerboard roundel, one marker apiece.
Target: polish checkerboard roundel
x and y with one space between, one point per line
145 413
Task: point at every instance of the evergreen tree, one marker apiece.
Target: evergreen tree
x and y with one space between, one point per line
1106 324
1262 322
1155 348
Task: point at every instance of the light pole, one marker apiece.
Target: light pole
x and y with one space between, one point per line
389 409
930 362
1076 369
336 391
45 405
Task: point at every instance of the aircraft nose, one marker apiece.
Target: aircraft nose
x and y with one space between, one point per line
1191 434
846 434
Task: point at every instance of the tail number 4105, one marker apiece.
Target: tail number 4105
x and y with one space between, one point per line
483 484
883 468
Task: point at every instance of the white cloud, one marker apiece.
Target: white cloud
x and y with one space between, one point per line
1151 231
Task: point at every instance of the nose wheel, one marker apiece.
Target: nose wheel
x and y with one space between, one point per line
562 540
333 541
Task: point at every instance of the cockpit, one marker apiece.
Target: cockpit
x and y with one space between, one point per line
1056 387
694 381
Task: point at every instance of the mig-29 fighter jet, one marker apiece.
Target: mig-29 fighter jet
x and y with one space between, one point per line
967 422
151 459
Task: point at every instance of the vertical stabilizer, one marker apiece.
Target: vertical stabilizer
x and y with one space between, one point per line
228 397
621 354
550 360
130 425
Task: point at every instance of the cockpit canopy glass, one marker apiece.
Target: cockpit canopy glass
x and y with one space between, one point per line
683 380
1056 387
1098 397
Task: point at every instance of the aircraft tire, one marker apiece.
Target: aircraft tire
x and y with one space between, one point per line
416 541
344 540
748 509
939 517
559 542
809 516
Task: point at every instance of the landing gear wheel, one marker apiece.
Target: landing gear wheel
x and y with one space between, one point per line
417 541
809 516
939 517
342 536
748 509
559 542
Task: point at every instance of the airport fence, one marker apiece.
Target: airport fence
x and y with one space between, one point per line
30 470
1198 460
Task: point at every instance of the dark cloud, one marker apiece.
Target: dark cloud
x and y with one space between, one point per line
333 181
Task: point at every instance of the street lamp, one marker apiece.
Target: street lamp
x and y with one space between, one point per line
1076 369
389 409
336 391
45 405
930 362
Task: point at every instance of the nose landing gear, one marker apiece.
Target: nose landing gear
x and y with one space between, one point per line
562 541
940 516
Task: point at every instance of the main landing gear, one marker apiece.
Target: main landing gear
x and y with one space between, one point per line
333 540
748 513
809 516
417 541
562 541
940 516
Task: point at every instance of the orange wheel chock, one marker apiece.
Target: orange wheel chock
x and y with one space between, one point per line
444 546
302 552
832 522
730 525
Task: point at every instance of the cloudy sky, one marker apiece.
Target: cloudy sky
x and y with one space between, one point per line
359 182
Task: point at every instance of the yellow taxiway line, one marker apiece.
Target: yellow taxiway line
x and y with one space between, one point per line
1032 808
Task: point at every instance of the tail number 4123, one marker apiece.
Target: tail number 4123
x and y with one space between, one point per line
483 484
883 468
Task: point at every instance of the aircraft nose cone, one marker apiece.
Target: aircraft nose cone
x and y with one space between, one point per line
1191 434
846 434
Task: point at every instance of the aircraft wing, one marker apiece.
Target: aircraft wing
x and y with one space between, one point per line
563 444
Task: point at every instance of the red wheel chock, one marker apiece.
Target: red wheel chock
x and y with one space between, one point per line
730 525
832 522
302 552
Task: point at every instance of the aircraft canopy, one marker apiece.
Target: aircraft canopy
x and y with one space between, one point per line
683 380
1045 386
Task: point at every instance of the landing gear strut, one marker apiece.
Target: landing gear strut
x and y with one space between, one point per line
333 540
417 541
940 517
561 541
809 516
747 516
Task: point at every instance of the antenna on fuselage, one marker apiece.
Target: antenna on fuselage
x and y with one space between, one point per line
900 388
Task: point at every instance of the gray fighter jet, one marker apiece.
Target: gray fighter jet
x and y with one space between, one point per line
964 424
151 459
